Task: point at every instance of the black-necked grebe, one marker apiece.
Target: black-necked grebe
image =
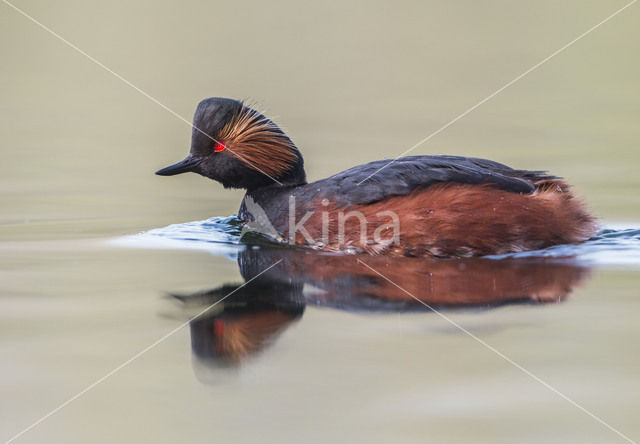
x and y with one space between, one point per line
442 206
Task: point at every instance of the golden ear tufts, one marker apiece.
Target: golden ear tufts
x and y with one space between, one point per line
258 143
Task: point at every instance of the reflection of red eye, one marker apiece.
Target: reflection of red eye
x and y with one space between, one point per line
219 146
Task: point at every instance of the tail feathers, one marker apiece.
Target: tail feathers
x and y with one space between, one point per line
570 221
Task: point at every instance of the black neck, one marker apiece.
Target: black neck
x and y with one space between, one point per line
296 176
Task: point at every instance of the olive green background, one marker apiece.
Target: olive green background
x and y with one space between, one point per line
350 82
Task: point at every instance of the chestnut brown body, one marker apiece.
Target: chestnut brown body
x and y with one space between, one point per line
439 206
453 220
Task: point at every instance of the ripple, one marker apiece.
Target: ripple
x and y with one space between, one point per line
610 246
614 245
218 235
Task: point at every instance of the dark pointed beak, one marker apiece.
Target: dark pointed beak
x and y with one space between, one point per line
188 164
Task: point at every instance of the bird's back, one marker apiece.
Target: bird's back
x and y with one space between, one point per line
445 206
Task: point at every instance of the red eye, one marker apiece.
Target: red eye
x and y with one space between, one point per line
219 146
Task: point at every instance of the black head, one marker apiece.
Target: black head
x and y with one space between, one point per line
239 147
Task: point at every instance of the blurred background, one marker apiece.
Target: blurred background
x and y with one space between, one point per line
351 82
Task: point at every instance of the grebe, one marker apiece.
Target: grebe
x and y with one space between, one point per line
439 206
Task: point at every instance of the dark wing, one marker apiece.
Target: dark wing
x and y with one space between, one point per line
369 183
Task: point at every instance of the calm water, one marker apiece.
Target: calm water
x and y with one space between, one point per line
319 348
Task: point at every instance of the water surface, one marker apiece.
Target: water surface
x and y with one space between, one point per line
328 351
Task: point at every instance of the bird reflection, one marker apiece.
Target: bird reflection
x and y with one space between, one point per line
249 316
